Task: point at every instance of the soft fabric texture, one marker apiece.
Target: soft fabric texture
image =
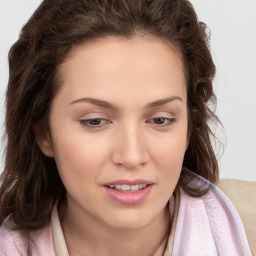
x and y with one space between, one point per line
207 225
12 243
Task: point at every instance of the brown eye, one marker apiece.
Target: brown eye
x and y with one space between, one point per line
95 122
162 121
159 120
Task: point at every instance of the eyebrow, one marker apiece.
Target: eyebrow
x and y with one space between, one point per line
163 102
97 102
107 105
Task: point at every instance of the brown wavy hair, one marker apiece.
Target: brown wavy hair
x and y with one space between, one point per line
30 183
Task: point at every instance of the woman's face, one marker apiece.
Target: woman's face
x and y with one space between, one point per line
118 129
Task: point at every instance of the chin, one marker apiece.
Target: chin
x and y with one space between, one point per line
132 219
130 224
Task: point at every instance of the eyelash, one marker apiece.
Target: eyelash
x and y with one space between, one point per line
170 121
86 122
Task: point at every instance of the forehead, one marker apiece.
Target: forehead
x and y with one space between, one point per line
101 53
115 64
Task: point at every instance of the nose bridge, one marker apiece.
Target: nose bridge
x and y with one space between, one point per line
131 150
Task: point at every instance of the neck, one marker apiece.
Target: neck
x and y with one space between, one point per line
85 235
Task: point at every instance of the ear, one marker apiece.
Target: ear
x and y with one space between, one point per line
43 138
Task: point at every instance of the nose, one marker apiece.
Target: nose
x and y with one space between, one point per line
130 148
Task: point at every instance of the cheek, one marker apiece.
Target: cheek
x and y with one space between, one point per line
168 157
74 146
77 167
76 157
170 150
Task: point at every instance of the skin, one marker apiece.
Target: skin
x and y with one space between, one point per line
127 142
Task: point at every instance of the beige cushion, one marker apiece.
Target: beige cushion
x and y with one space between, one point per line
243 196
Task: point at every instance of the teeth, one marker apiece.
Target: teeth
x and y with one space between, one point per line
118 187
134 187
125 187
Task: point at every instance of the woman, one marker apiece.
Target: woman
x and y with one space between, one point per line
108 143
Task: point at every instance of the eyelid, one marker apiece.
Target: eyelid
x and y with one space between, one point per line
92 115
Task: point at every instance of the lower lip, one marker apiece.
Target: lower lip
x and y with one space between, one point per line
128 197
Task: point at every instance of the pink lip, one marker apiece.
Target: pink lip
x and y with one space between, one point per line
128 198
128 182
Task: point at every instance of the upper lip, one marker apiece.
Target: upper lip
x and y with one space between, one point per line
128 182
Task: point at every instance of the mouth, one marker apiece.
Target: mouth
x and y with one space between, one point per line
128 192
128 188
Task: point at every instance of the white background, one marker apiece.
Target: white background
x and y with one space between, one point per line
233 44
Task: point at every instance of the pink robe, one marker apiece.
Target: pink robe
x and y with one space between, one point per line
207 225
